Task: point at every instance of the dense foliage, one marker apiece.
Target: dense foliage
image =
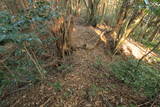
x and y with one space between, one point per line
22 31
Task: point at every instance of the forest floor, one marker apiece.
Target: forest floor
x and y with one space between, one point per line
86 81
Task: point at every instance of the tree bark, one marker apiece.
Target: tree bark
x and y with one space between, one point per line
133 23
122 16
62 30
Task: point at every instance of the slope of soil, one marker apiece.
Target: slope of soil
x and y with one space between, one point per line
87 83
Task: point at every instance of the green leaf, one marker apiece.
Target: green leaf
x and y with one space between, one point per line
2 37
57 86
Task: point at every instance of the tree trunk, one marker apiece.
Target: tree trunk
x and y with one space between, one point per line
133 23
62 30
122 16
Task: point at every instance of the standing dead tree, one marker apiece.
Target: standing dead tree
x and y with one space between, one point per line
61 29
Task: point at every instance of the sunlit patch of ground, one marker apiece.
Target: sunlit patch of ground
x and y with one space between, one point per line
133 48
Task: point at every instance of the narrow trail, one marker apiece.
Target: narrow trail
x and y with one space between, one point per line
88 84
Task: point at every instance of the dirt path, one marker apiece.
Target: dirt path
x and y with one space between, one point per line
87 84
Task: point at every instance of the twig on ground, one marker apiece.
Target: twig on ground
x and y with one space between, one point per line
43 105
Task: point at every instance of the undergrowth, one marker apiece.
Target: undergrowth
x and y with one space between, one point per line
144 79
21 64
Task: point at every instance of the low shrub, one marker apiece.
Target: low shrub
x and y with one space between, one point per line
144 79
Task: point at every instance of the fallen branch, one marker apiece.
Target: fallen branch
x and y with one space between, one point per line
155 47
